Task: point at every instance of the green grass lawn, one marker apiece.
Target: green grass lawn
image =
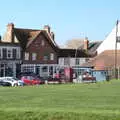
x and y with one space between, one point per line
100 101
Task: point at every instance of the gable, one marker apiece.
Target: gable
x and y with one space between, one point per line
40 42
15 39
110 41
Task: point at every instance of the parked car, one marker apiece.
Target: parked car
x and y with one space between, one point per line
31 80
3 83
50 80
10 81
88 78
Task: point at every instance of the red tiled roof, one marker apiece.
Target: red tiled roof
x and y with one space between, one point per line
104 60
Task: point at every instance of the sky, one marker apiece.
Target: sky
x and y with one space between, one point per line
68 19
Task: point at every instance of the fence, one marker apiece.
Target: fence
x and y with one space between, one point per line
112 72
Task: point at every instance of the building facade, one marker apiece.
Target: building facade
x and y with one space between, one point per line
37 51
10 59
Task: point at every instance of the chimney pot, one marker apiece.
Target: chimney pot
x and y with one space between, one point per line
47 28
86 43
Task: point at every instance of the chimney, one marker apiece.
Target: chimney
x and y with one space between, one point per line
10 34
47 28
52 35
86 43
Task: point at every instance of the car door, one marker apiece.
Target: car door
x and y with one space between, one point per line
33 82
25 80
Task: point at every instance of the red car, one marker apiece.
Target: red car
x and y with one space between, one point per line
31 80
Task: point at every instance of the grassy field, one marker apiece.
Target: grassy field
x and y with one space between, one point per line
100 101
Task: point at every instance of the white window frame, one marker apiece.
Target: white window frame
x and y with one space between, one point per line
18 53
11 54
34 56
26 56
66 61
43 43
52 56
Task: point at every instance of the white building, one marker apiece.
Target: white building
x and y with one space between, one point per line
110 41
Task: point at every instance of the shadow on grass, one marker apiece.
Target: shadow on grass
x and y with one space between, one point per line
29 115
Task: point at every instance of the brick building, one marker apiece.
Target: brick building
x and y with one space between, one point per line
39 52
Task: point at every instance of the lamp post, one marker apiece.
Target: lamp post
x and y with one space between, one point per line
76 52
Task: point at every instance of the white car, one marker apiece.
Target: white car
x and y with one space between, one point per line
12 81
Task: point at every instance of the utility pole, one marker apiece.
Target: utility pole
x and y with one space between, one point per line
116 40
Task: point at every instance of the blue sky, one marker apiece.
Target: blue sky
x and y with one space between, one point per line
67 18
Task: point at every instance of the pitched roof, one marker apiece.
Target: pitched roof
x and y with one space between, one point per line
73 53
92 47
110 40
27 36
104 60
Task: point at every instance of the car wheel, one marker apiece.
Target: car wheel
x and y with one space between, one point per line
15 85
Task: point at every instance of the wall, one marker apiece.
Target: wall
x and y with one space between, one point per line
100 75
41 50
109 42
70 61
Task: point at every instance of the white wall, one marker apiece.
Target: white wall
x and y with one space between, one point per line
72 61
109 42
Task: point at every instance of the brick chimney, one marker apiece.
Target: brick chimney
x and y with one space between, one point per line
52 35
86 43
10 34
47 28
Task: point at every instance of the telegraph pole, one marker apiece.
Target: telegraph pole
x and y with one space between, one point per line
116 40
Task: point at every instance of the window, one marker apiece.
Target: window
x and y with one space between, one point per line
4 50
42 42
14 53
28 68
18 55
66 61
34 56
0 53
26 56
45 69
77 62
9 53
51 56
46 57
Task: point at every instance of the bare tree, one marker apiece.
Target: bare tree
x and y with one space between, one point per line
74 43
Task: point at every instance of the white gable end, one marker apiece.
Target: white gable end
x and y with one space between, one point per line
109 42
